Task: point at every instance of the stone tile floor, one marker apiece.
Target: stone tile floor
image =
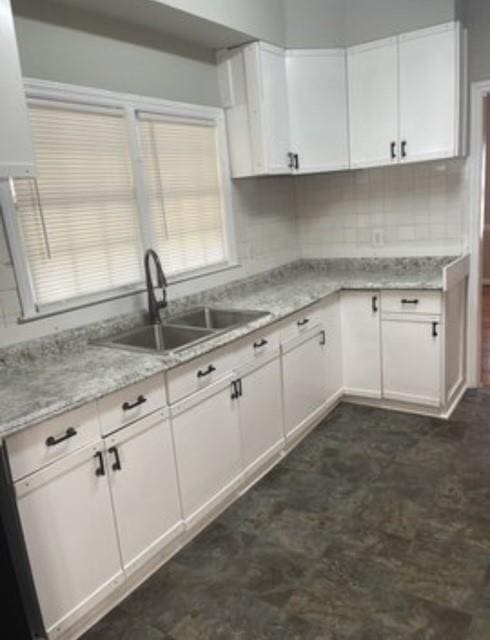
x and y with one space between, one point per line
377 527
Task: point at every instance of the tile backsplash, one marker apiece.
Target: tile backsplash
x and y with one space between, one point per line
418 209
411 210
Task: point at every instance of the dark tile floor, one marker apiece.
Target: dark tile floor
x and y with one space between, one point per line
377 527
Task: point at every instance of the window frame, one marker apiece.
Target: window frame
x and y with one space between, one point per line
89 99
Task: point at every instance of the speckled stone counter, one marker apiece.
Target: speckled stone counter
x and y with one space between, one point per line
46 377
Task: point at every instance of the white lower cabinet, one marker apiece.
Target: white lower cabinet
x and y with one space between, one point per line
329 314
304 379
260 411
70 534
143 481
207 445
412 359
361 343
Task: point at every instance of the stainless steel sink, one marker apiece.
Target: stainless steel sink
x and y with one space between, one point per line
158 337
216 319
182 330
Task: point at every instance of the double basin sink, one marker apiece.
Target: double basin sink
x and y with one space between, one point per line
182 330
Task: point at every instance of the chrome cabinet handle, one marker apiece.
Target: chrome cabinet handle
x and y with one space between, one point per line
260 343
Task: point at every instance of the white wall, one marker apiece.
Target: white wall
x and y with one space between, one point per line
333 23
62 53
419 209
477 13
262 19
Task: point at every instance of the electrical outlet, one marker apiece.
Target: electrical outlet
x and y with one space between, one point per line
378 238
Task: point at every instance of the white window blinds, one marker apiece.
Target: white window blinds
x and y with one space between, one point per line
80 224
183 188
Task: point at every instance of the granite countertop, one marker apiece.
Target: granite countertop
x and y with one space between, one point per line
62 373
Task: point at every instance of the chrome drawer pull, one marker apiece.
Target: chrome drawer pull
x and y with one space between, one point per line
301 323
261 343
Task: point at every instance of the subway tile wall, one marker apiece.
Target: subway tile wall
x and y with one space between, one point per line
418 209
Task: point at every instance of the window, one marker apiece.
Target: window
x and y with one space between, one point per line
79 221
116 174
184 193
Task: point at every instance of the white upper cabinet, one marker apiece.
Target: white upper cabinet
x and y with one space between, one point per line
255 98
16 152
429 93
317 91
373 103
404 97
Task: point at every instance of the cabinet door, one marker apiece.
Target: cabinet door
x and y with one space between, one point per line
372 72
268 107
143 481
412 360
260 411
330 318
318 109
304 376
16 154
207 445
70 534
361 351
429 93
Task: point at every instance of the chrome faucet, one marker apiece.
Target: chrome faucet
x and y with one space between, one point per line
155 305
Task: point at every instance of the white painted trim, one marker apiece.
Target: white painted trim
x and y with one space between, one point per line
14 237
479 91
100 97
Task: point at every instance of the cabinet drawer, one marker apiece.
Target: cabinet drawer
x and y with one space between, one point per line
200 373
49 441
257 345
300 322
411 301
133 402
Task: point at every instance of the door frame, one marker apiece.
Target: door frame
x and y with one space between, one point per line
478 148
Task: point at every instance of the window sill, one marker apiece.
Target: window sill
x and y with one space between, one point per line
125 292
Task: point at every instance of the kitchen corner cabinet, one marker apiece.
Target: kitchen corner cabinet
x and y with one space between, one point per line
143 481
207 446
404 97
304 379
254 95
16 150
317 95
70 534
361 343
